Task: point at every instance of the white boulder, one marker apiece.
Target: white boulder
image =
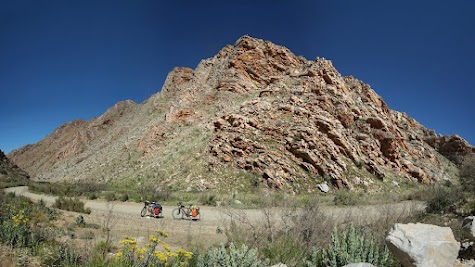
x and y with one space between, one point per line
323 187
468 225
423 245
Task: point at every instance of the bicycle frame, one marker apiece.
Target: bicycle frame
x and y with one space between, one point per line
182 211
149 209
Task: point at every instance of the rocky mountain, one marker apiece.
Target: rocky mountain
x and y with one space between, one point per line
253 115
10 171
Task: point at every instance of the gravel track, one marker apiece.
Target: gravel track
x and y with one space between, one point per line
123 218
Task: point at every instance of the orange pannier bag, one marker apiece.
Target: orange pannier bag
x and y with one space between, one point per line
194 212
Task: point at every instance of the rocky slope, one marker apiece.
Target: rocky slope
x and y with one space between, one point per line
253 115
10 171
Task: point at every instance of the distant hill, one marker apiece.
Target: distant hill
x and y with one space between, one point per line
254 115
9 172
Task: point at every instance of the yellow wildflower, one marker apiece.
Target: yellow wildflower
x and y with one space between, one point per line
20 218
162 233
153 239
172 254
141 251
127 242
161 256
184 253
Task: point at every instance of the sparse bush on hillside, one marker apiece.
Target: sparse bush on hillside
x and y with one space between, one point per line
445 200
467 174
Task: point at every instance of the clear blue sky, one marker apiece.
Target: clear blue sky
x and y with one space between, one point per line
69 59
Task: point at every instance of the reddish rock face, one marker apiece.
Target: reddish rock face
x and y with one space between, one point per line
259 109
319 121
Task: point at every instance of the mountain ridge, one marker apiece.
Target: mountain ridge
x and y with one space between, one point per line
253 115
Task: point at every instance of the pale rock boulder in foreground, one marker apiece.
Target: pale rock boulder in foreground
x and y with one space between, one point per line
423 245
469 226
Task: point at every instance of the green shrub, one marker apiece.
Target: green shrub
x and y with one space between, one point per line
347 198
352 246
71 204
67 189
68 255
15 222
54 254
467 174
209 199
80 221
123 197
286 248
241 256
48 254
471 207
52 213
150 192
101 249
444 200
110 196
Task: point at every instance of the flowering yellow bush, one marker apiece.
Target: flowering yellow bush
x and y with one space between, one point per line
149 255
20 218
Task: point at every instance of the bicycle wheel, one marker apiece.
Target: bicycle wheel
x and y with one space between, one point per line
177 214
143 212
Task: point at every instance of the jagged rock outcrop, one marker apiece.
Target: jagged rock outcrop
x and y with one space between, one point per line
453 147
423 245
255 108
10 171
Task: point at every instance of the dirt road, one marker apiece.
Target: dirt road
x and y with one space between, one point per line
123 218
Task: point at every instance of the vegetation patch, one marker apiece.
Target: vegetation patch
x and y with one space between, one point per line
71 204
